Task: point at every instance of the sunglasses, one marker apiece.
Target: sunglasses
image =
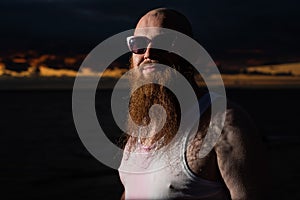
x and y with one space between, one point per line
139 44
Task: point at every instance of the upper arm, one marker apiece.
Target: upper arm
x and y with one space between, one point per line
240 157
123 196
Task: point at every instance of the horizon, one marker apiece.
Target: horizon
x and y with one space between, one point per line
50 38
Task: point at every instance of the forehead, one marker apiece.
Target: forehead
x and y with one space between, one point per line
150 25
149 32
162 18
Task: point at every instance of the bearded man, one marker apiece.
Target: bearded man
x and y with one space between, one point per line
153 165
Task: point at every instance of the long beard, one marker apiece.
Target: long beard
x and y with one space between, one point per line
144 97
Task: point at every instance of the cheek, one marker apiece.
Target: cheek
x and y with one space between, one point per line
136 60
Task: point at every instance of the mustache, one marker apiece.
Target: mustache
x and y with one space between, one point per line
148 62
153 62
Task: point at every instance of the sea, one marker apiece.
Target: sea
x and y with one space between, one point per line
42 156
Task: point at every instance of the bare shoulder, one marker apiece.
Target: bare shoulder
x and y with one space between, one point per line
241 156
238 131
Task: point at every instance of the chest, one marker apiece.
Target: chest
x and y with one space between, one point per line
162 177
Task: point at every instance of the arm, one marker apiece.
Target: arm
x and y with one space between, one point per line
123 196
240 157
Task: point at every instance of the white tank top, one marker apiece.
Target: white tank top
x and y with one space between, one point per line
164 174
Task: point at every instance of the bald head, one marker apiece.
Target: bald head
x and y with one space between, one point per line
153 43
166 18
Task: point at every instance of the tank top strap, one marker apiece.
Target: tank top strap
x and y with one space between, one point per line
204 102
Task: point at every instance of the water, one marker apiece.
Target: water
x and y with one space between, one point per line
42 156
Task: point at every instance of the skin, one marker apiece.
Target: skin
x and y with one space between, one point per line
237 158
153 19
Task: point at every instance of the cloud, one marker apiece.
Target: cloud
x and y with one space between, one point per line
217 24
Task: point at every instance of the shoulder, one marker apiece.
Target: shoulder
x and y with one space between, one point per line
239 131
237 117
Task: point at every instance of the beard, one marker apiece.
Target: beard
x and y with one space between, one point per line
147 95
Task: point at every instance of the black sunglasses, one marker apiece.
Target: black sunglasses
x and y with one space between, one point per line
139 44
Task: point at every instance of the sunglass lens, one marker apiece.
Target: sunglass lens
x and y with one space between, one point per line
138 45
166 40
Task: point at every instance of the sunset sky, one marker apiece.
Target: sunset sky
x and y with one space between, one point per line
231 30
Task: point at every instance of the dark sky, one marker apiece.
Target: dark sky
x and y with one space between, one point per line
221 26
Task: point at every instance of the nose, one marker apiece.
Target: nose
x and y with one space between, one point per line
151 53
148 53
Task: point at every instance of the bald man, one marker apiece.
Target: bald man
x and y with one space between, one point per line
153 167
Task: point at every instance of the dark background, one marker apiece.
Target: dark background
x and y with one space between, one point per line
42 156
233 32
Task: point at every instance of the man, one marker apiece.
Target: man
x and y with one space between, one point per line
153 166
